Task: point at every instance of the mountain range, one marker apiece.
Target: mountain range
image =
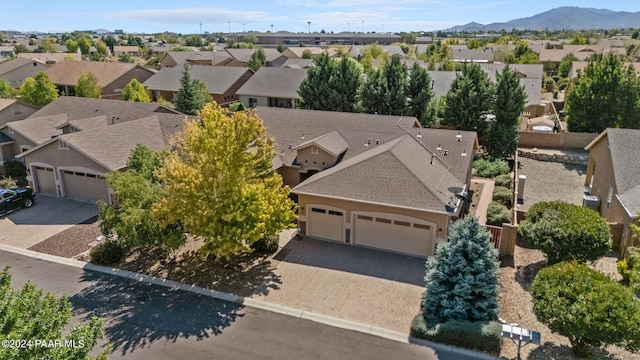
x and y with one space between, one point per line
562 18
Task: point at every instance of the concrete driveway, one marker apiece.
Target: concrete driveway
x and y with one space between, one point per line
353 283
48 216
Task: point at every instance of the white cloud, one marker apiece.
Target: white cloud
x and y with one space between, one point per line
192 15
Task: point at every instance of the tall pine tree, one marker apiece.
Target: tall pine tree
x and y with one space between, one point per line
462 277
385 90
189 98
502 136
420 94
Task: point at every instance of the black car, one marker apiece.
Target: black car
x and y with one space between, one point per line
13 199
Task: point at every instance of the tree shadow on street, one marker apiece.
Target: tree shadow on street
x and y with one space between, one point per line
551 351
138 314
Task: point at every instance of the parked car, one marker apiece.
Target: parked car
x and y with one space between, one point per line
14 199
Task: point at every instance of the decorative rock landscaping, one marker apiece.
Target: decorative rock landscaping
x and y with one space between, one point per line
575 156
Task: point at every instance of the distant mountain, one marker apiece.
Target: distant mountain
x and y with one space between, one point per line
566 17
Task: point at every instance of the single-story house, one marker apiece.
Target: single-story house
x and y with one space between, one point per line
14 110
78 113
112 76
241 57
298 52
222 82
613 177
179 58
51 58
276 87
126 49
372 180
7 51
15 71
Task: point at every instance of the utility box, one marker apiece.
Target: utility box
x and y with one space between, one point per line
591 202
521 181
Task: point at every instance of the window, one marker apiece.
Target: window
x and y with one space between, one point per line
420 226
314 149
609 196
11 131
63 145
384 221
402 223
323 211
367 218
253 102
331 212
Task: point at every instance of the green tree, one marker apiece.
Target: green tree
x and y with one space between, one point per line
87 86
502 135
565 65
220 184
604 95
48 46
331 85
420 94
125 57
21 49
587 307
194 40
409 38
27 314
385 90
462 277
38 91
578 40
474 43
135 91
6 91
307 54
72 45
566 232
136 191
258 59
189 99
469 100
252 39
281 48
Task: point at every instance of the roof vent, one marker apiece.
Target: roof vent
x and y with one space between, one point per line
282 153
365 144
419 135
289 146
464 153
377 141
302 137
368 141
459 137
446 152
439 147
432 156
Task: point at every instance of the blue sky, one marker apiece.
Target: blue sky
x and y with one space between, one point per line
185 16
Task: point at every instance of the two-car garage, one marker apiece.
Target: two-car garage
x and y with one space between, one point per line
380 230
77 184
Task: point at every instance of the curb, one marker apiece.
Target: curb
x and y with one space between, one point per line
254 303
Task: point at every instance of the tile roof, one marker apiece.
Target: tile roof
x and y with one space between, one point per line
274 82
68 72
401 172
218 79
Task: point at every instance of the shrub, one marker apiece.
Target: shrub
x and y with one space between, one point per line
266 245
8 183
490 168
565 231
504 180
108 252
14 169
498 214
503 196
587 307
630 269
480 335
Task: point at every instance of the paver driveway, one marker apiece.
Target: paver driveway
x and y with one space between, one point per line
48 216
353 283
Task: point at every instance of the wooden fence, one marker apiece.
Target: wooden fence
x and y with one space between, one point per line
496 235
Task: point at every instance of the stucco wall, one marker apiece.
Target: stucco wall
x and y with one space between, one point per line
566 140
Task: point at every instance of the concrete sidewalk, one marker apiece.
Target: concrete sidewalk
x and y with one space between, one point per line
485 198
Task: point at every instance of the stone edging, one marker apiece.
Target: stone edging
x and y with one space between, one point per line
254 303
554 157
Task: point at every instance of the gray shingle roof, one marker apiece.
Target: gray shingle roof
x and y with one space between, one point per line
330 142
217 79
39 129
274 82
400 172
81 108
68 72
14 64
244 55
184 57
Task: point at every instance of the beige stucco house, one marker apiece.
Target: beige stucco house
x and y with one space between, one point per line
275 87
372 180
15 71
613 176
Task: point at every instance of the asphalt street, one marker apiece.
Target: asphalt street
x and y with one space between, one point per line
145 321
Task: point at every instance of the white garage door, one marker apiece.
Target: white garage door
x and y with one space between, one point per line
84 187
325 223
394 232
45 181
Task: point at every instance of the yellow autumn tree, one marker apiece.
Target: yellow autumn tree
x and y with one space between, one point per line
220 183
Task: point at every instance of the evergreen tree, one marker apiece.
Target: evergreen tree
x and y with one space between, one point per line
38 91
385 90
462 277
87 86
258 59
604 95
189 98
347 84
469 100
502 136
420 94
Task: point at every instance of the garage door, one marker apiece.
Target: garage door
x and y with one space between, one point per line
326 223
394 232
45 181
84 187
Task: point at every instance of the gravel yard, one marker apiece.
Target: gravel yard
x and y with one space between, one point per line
547 181
72 241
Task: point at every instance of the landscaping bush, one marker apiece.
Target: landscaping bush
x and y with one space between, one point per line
565 231
108 252
504 180
490 168
587 307
630 270
266 245
14 169
503 196
498 214
479 335
8 183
